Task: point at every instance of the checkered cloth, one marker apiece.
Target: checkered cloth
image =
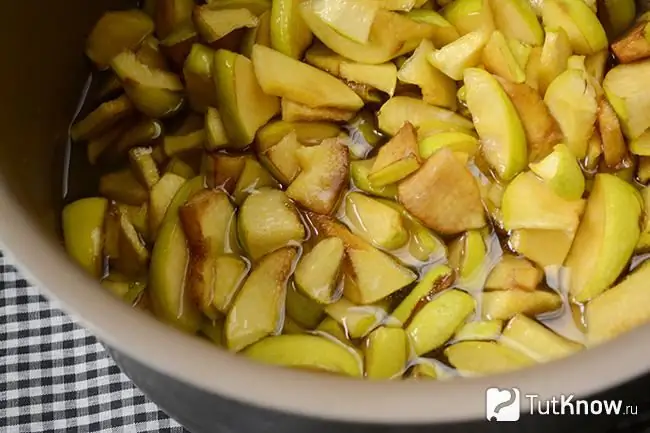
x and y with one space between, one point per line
56 377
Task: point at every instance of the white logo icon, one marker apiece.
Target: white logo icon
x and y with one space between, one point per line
502 404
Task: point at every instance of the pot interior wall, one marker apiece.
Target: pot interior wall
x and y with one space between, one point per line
42 78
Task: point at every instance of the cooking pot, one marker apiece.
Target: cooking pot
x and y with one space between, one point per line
207 389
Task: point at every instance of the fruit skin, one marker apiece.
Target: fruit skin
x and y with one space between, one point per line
307 351
396 159
443 195
289 33
243 106
437 321
497 123
606 238
386 353
83 233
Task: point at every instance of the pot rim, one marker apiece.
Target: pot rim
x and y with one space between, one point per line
196 362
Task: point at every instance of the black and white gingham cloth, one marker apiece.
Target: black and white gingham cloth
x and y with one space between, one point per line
56 377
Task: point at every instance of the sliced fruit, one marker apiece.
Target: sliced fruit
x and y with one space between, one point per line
304 310
554 57
122 186
268 221
243 106
562 173
357 320
215 130
641 144
481 330
571 100
133 256
216 24
257 309
170 298
377 223
155 92
115 32
382 77
445 32
199 82
386 353
324 175
83 233
282 158
532 67
289 32
261 34
318 271
160 197
320 56
473 358
458 142
426 118
619 309
352 19
437 88
464 52
144 166
537 341
331 328
360 170
306 352
635 45
208 219
614 147
497 123
467 255
231 272
178 44
170 14
504 304
283 76
128 290
257 7
250 178
297 112
424 369
437 279
469 15
436 322
529 203
606 237
617 16
499 60
521 52
142 133
517 20
443 195
307 132
514 273
103 117
544 247
643 171
396 159
625 91
370 274
580 23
